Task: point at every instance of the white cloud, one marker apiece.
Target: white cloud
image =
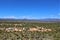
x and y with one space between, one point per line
54 16
8 17
20 17
28 17
50 16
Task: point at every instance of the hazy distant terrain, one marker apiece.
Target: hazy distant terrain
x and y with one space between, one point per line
32 20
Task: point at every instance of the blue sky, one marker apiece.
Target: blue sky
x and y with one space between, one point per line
31 9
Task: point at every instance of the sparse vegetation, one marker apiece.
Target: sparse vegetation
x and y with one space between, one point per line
29 31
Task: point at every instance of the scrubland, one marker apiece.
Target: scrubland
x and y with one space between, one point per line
29 31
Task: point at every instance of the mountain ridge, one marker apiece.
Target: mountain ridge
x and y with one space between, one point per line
33 20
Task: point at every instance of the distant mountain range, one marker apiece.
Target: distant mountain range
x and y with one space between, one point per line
32 20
